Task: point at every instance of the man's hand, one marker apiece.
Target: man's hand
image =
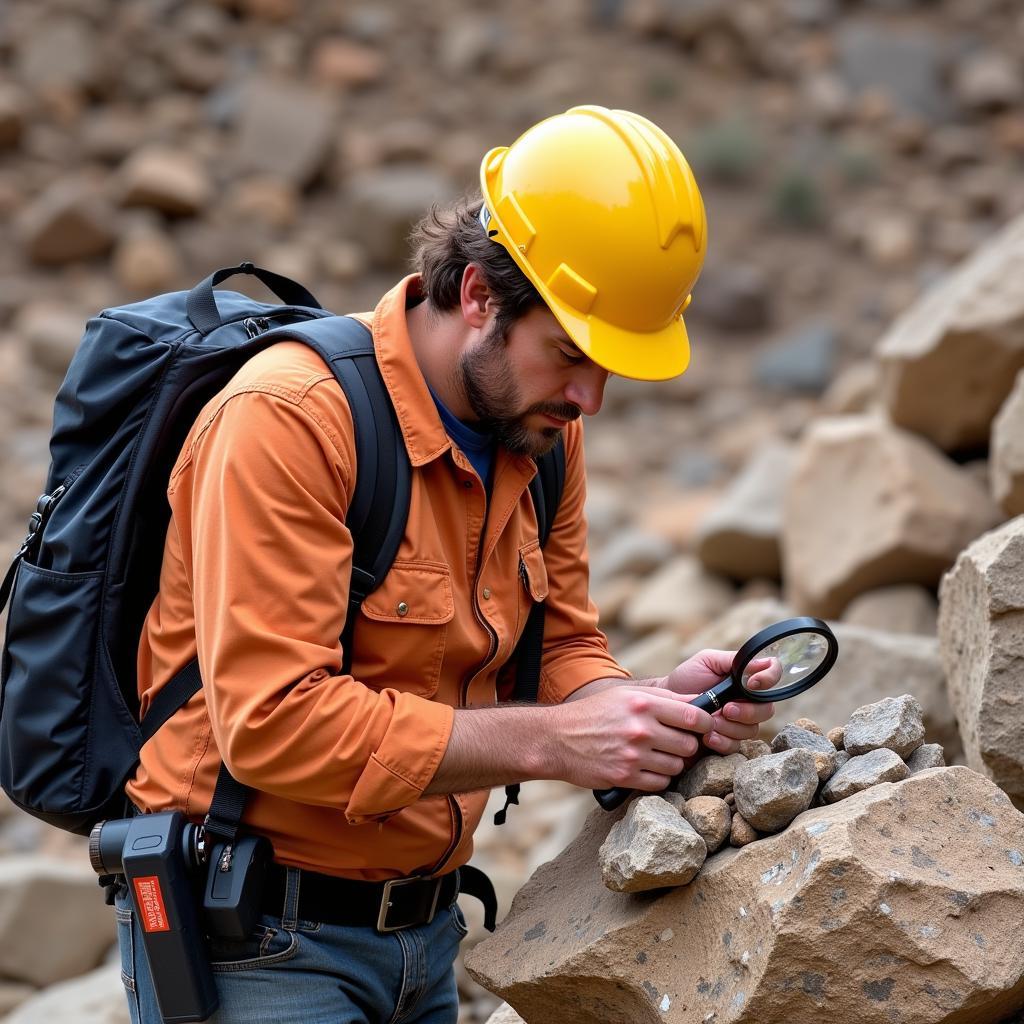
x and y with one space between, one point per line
738 720
636 737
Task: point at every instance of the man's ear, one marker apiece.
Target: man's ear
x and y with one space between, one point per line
476 299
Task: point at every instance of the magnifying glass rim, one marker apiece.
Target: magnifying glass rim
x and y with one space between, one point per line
779 631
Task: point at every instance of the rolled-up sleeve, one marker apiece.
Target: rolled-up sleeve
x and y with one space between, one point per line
262 494
575 650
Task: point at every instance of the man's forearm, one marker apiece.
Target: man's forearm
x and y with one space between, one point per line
603 684
497 746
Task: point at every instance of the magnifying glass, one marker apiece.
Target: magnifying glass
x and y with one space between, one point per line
775 664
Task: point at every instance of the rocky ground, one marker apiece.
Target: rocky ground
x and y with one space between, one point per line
849 427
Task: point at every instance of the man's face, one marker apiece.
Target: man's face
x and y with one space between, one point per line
526 387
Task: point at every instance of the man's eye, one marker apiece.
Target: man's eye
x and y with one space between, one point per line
572 358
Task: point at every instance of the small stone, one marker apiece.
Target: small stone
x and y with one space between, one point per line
652 847
824 765
928 755
864 771
67 222
836 736
791 737
771 791
842 757
730 799
742 832
896 723
169 180
146 261
710 818
754 748
711 776
810 725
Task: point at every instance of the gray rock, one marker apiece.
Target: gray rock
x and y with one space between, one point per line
711 818
804 362
793 737
842 757
735 297
681 595
711 776
653 846
863 772
51 334
63 55
771 791
988 81
629 550
900 608
284 130
928 755
896 723
903 63
94 998
387 201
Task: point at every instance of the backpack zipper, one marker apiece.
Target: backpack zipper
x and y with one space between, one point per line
255 326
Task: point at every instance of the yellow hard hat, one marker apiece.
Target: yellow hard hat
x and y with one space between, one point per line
600 210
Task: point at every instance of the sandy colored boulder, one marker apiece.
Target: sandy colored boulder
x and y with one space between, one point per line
871 505
981 602
711 819
681 595
949 362
651 847
169 180
94 998
739 538
1007 452
941 914
900 608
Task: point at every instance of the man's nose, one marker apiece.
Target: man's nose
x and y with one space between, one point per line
586 389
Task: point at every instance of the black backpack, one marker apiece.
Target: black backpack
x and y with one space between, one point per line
81 584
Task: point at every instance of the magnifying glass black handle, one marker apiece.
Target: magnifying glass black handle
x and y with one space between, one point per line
710 701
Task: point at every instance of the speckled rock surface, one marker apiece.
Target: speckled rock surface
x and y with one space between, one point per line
926 874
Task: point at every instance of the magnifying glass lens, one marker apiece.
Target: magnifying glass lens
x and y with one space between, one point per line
785 662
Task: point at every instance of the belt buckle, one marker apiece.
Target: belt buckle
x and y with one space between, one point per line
385 903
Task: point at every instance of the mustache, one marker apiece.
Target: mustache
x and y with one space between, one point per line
560 410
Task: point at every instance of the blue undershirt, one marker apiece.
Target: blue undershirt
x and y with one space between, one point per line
476 445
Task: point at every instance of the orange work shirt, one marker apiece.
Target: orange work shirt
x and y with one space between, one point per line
254 582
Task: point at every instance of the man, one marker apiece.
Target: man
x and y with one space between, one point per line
575 263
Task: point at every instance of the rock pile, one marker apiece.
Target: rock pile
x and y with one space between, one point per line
666 840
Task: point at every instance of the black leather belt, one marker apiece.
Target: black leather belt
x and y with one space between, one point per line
386 906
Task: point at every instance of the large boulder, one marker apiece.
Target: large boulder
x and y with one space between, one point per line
949 362
902 902
870 505
94 998
1007 452
740 536
981 611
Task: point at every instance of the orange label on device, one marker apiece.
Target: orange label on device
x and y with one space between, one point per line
150 902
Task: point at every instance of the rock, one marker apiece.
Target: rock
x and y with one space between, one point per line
771 791
854 390
928 755
837 736
469 44
146 261
1007 451
653 846
632 551
730 799
734 297
869 504
51 334
12 994
652 655
264 200
170 180
988 82
921 874
804 362
810 725
980 606
752 749
36 891
342 63
896 723
13 115
711 776
681 595
842 758
710 818
794 737
900 608
863 771
94 998
504 1014
741 832
64 56
890 240
387 201
739 538
902 63
825 764
68 222
949 362
271 140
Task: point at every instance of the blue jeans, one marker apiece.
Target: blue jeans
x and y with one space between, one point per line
290 971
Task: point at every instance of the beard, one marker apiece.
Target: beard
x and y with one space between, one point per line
486 376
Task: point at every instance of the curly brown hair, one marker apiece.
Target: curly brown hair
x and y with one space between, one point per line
446 240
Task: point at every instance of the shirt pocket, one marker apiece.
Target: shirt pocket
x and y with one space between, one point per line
402 644
533 573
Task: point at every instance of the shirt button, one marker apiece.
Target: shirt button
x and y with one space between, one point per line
487 593
403 608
